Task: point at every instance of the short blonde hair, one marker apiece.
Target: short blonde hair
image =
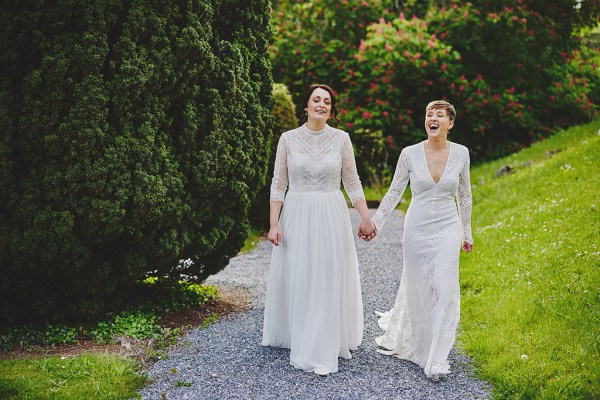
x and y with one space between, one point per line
442 105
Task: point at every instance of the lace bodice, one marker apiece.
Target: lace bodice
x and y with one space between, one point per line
315 161
430 198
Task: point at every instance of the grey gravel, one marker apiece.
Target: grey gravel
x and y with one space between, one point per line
226 361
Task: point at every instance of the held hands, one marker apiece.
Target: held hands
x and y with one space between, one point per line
367 229
274 235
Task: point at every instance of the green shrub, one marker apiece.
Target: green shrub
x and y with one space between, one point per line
526 53
134 135
499 62
315 38
394 73
284 119
138 325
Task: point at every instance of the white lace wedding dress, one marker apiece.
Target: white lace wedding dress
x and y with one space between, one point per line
314 304
421 327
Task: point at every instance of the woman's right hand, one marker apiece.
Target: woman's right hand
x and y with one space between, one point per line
274 235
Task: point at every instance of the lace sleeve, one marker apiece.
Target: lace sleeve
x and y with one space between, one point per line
350 177
394 193
279 183
464 199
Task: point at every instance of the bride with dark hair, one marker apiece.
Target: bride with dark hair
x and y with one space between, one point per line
314 303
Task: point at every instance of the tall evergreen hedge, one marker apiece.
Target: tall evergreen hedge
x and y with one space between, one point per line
284 119
133 134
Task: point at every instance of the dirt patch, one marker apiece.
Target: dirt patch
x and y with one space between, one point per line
147 351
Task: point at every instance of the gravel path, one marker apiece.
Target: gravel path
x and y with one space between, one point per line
226 361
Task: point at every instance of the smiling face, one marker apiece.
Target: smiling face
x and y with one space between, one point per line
438 123
319 105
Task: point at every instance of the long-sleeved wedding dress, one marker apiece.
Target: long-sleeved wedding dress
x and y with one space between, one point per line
314 304
421 326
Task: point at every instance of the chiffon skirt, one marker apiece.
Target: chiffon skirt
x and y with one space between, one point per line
314 303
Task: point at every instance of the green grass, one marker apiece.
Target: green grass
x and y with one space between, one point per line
96 376
531 289
254 237
83 377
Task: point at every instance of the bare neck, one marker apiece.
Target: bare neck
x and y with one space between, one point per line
437 144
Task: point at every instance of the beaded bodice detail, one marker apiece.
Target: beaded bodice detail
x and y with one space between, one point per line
315 161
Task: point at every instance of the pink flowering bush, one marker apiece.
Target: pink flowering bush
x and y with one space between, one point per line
398 69
526 47
513 69
314 39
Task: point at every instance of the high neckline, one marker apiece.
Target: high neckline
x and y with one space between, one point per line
305 129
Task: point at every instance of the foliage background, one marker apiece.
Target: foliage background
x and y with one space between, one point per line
284 119
515 70
134 134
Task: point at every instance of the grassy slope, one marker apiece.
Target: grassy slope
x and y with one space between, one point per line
530 291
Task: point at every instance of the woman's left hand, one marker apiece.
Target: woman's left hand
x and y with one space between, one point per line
468 247
366 229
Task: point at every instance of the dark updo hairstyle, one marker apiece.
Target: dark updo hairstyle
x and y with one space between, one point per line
308 93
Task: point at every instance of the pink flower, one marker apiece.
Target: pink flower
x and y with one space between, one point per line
424 64
366 115
386 114
444 66
350 124
373 86
388 47
406 53
511 90
362 46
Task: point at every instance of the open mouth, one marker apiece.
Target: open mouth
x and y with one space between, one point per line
433 126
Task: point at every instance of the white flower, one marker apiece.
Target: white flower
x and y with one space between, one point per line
524 357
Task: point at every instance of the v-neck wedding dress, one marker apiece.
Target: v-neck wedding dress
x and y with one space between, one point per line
314 304
421 327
